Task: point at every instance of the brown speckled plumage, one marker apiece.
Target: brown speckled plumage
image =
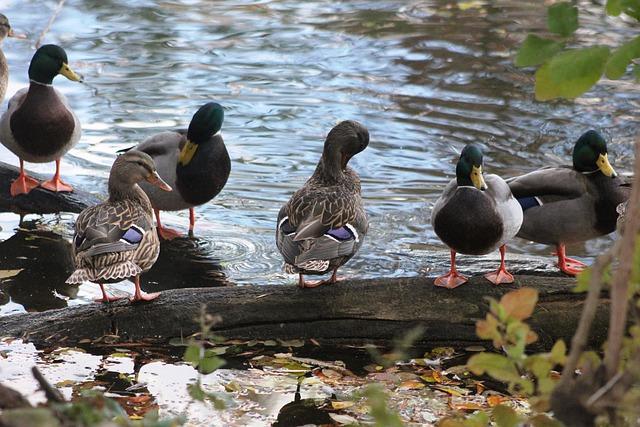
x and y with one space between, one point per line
329 201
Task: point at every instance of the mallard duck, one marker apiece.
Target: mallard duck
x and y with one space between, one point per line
571 204
195 163
475 215
116 239
5 31
39 126
324 223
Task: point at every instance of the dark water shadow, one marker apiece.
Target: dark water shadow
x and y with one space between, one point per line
184 263
45 260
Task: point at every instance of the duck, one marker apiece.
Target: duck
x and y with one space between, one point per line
571 204
195 163
39 126
116 240
324 223
5 31
475 215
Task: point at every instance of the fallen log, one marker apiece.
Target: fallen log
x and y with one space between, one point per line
355 311
39 200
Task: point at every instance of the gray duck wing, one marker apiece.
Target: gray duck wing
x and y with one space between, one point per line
557 182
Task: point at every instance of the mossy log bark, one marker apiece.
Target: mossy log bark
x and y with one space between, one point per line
355 311
39 200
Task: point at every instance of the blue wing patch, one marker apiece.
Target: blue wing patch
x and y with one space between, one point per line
133 235
529 202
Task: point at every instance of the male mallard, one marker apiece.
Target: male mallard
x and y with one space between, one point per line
324 223
475 215
116 239
5 31
571 204
39 126
195 164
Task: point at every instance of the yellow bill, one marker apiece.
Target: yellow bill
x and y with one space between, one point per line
69 73
604 166
187 153
477 179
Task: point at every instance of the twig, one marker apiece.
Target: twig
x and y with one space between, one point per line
604 389
52 393
55 13
620 285
579 340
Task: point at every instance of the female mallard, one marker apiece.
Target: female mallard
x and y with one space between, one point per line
571 204
475 215
116 240
324 223
5 31
39 126
195 164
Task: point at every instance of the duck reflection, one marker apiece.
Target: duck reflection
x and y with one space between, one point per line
184 263
302 412
44 260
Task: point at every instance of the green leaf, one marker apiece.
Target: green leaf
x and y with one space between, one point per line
479 419
210 364
562 18
571 73
614 7
535 50
495 365
631 8
583 280
622 57
558 353
505 416
196 392
542 420
192 355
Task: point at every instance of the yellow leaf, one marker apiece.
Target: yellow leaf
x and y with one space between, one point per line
453 391
5 274
411 385
520 303
342 405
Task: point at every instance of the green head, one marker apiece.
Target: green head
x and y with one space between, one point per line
469 168
590 154
205 123
49 61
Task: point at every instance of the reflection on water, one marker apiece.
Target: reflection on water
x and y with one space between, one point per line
425 76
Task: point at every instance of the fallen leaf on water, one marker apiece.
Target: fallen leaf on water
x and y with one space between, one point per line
495 400
5 274
411 385
342 404
343 419
452 390
464 406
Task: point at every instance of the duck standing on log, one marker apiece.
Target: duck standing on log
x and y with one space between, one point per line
39 126
324 223
194 163
475 215
571 204
116 240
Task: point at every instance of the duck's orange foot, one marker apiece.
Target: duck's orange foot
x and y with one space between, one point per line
23 184
168 233
572 269
56 185
142 297
107 299
500 276
450 280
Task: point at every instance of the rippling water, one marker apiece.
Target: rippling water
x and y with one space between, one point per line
426 78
